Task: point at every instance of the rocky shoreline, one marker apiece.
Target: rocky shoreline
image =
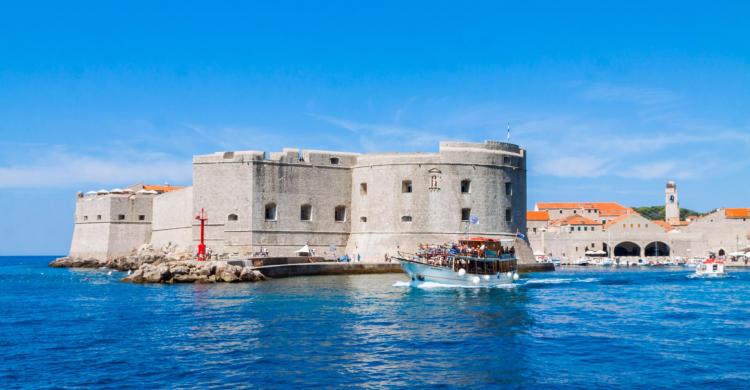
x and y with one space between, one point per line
192 271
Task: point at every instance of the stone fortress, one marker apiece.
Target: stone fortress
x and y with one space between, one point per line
570 230
362 205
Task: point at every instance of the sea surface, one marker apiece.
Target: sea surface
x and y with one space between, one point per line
574 328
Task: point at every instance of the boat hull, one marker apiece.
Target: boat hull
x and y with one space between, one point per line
422 273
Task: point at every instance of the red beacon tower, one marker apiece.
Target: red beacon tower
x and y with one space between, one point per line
202 246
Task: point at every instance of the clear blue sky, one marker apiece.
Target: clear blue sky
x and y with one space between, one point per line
610 101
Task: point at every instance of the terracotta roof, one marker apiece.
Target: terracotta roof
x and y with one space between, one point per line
160 188
737 213
575 220
537 216
606 209
664 225
619 218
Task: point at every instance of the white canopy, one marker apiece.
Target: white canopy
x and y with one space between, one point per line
102 192
304 251
596 253
91 193
116 191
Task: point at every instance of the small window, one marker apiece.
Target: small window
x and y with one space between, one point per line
465 186
575 211
631 225
465 215
560 211
85 217
585 229
141 217
406 218
508 188
572 229
334 161
363 188
232 217
305 212
121 217
534 229
508 215
270 212
593 228
579 228
506 160
406 186
362 219
99 217
339 214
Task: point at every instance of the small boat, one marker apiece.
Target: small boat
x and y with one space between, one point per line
606 262
473 262
582 261
710 268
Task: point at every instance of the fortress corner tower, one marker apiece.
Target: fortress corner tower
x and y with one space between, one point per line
672 205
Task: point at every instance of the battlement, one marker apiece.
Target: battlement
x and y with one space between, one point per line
285 156
489 146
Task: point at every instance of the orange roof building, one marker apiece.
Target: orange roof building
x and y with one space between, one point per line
737 213
575 220
539 216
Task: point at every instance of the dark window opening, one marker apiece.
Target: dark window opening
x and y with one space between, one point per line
363 188
508 215
465 186
270 212
232 217
465 215
141 217
508 189
305 212
406 186
334 161
339 214
121 217
362 219
406 218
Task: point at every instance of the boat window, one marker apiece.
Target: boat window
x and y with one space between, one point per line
465 186
406 186
465 214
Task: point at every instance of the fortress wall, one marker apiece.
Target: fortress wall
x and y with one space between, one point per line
719 232
112 225
320 184
91 229
436 200
173 219
223 185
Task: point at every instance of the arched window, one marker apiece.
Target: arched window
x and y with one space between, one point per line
339 214
232 217
465 186
270 212
305 212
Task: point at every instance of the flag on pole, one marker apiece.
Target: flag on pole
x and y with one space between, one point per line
508 131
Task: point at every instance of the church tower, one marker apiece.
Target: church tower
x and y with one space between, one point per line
672 205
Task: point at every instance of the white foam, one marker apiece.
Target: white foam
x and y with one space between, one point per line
561 281
433 285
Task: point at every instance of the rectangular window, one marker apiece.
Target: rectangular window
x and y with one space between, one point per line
85 217
465 186
406 218
99 217
334 161
465 215
593 228
508 189
141 217
406 186
363 189
508 215
534 229
506 160
121 217
270 212
305 212
339 214
362 219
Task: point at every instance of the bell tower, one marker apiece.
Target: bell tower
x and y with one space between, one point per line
672 205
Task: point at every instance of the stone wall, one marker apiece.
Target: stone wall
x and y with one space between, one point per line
173 220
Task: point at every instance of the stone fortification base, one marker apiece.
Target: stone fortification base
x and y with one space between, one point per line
191 271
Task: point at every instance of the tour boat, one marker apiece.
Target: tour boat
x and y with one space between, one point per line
474 262
710 268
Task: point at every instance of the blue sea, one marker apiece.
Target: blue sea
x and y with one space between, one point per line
581 328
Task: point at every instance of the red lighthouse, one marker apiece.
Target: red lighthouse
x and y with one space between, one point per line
202 246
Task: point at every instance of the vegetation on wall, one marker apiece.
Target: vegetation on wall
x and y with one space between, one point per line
656 213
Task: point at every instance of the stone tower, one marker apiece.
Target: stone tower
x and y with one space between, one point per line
672 205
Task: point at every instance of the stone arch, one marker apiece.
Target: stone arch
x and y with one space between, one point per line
657 248
627 248
232 217
722 252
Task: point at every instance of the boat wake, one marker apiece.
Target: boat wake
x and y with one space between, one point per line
560 281
433 285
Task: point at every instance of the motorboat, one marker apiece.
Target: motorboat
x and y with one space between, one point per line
582 261
606 262
710 268
472 262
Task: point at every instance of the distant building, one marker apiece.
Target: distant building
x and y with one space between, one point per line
570 230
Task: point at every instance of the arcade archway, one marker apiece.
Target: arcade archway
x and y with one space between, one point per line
656 249
627 248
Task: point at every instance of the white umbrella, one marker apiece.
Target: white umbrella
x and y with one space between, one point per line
304 251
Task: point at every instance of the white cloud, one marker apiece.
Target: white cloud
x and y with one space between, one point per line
60 169
573 167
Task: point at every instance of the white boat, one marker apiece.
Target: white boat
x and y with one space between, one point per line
606 262
474 262
582 261
710 268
